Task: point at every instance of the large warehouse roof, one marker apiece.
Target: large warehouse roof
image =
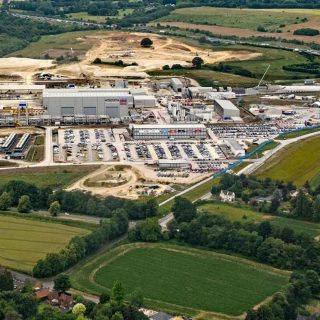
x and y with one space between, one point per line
226 104
83 94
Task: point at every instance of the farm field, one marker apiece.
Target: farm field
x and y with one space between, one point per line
235 213
84 16
278 23
298 162
58 176
237 18
24 241
212 282
256 65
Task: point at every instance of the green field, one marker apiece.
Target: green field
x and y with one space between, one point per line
183 279
24 241
297 162
84 16
237 18
64 41
59 176
235 213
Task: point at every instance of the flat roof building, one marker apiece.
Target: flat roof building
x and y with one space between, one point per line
168 131
176 84
226 109
88 102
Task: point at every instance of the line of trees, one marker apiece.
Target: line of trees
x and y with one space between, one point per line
80 247
26 197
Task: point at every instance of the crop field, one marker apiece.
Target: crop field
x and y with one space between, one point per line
59 176
183 279
298 162
244 214
237 18
24 241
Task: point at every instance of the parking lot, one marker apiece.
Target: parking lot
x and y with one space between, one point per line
109 145
85 145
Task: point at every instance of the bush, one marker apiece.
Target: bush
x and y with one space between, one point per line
146 43
306 32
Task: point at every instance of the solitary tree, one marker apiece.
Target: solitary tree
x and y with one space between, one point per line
62 283
197 62
146 43
117 292
5 201
79 309
55 208
24 205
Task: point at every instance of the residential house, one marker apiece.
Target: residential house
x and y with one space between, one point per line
227 196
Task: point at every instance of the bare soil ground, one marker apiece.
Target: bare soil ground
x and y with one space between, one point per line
246 33
24 67
120 45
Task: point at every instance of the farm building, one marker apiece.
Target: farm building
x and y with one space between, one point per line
176 84
226 109
167 131
89 102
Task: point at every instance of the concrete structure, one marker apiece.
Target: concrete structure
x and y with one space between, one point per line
169 131
144 101
88 102
226 109
176 84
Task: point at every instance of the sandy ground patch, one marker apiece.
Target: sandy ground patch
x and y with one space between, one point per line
125 46
245 33
24 67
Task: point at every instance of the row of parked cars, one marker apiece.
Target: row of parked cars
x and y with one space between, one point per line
142 151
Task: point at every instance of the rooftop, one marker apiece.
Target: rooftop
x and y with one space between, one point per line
226 104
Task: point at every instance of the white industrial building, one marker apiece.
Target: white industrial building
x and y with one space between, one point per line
176 84
72 102
198 92
144 101
173 164
168 131
111 102
235 147
226 109
211 96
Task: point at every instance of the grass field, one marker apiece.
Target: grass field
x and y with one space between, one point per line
244 214
63 41
237 18
59 176
23 242
84 16
183 279
298 162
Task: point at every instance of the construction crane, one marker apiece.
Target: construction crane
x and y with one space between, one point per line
87 77
269 65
